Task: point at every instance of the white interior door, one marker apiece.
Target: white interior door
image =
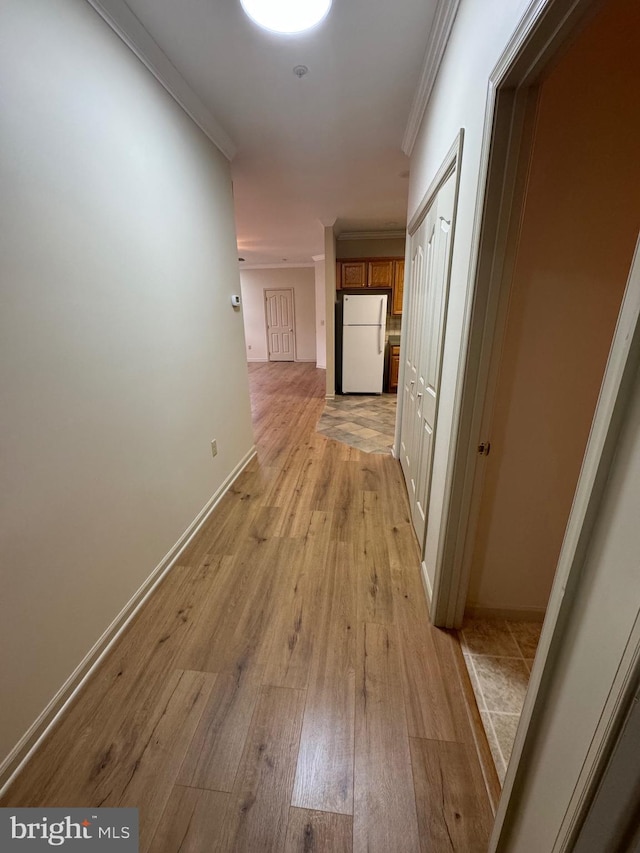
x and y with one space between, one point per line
280 325
410 433
429 285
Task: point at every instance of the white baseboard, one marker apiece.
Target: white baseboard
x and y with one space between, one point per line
514 614
261 360
426 585
19 756
305 361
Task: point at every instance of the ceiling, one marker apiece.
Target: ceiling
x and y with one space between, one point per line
314 150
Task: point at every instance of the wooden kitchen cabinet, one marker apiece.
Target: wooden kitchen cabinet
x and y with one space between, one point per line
380 273
351 274
394 368
398 287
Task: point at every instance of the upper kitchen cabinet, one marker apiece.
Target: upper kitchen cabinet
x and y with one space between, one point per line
398 287
352 274
384 273
380 273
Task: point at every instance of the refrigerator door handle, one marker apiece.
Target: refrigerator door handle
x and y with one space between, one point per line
380 327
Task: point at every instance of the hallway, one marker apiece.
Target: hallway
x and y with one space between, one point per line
283 689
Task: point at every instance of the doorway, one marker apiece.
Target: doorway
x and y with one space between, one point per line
583 224
280 320
560 220
573 242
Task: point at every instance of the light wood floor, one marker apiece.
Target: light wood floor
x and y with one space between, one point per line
283 689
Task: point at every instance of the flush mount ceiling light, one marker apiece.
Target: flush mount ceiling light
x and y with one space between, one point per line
286 16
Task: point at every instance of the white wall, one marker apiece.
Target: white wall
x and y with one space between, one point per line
302 281
479 35
330 303
120 355
321 314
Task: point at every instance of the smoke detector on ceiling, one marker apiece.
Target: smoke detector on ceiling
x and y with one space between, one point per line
300 70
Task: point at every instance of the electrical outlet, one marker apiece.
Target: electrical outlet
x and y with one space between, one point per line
214 447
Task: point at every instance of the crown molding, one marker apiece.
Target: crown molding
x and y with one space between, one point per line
372 235
440 32
292 266
126 25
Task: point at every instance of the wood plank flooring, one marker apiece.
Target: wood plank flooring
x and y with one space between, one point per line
283 689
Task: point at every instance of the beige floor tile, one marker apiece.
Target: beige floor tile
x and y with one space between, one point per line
372 423
505 727
332 432
503 682
355 441
527 636
347 426
489 637
499 657
365 432
369 447
366 423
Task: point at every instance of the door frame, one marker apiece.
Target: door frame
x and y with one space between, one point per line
290 290
507 139
542 33
450 165
619 385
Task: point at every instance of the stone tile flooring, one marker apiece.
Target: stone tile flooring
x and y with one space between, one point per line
499 655
363 421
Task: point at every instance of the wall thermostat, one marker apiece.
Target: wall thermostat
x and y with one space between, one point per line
235 301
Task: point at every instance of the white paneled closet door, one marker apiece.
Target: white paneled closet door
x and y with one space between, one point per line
428 294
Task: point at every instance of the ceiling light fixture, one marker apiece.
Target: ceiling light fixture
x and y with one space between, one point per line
286 16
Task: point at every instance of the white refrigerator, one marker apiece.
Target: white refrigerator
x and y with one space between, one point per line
364 320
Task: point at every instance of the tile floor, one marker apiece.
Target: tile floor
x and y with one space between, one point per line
363 421
499 655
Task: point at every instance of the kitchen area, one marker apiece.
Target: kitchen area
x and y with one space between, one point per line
369 293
